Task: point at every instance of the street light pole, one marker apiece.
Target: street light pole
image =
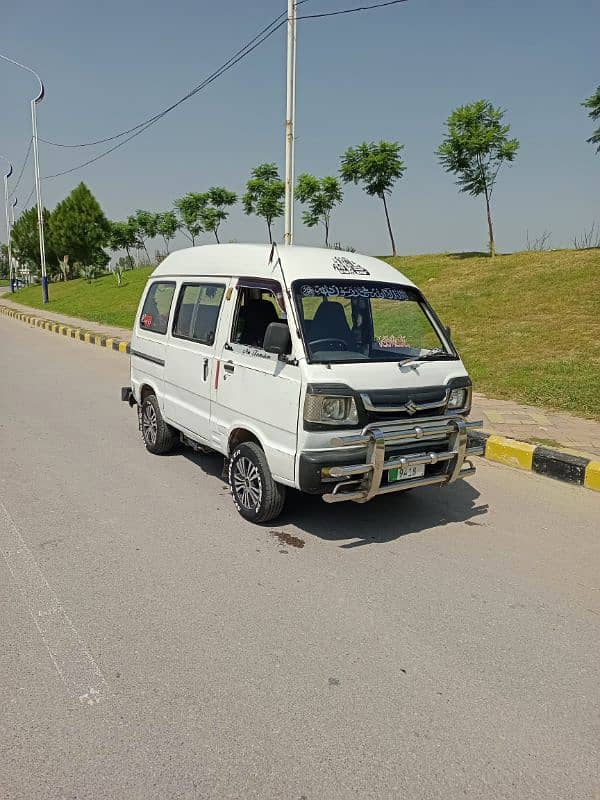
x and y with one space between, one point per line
8 226
36 167
288 236
11 260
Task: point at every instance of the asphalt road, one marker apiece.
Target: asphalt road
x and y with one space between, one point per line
442 644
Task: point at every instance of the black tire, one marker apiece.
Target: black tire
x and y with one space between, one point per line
256 495
158 437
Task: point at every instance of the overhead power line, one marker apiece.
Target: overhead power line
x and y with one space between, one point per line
230 62
350 10
22 170
242 53
30 195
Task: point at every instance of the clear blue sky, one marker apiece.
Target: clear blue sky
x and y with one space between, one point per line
394 73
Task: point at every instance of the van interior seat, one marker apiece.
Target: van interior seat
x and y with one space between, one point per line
255 318
330 323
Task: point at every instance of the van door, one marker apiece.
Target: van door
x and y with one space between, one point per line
256 390
148 343
190 360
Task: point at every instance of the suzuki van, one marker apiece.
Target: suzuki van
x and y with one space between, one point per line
316 369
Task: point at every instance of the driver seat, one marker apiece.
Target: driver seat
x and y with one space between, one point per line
330 323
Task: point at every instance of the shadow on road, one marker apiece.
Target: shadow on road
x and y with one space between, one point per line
383 520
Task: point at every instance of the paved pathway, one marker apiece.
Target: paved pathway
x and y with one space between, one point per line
504 417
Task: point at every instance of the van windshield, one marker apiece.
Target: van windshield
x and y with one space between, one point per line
352 321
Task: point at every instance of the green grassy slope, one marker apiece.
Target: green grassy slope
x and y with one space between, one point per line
526 324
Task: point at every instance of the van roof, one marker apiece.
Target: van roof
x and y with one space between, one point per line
252 260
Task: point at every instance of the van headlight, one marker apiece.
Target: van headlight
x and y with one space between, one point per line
457 399
330 409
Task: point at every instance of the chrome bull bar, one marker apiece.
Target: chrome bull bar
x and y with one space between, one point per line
365 479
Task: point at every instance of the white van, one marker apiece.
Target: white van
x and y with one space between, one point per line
321 370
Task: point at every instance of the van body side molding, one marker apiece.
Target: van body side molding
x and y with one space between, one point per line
146 357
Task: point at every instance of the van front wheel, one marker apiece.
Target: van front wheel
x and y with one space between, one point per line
256 495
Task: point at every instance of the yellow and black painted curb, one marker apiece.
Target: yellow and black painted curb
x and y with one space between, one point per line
81 334
564 466
569 467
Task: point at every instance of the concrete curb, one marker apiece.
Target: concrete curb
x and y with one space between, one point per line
569 467
81 334
564 466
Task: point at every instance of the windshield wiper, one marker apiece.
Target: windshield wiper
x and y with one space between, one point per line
433 356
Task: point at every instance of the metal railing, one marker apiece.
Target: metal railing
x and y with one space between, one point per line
378 437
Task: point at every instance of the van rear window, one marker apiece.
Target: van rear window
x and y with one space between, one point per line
198 311
157 306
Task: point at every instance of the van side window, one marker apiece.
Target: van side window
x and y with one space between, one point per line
155 313
256 309
198 311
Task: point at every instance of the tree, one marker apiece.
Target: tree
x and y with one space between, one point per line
79 229
377 166
213 213
167 227
147 227
593 103
26 242
264 194
124 236
475 148
189 207
321 196
4 270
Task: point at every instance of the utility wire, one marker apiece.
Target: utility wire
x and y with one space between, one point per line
245 51
25 204
350 10
234 58
27 154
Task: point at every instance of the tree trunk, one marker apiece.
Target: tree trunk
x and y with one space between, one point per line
326 233
193 238
387 217
129 256
146 249
492 246
166 241
217 236
269 227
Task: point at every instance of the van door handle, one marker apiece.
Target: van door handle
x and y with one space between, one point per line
229 367
205 369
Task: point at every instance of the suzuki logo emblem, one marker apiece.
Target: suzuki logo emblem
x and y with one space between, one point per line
410 406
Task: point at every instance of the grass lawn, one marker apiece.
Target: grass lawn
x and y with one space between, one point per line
4 282
100 301
527 324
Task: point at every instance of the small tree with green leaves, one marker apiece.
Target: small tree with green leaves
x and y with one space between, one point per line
213 213
124 236
377 166
264 195
189 208
26 242
167 227
321 197
475 148
593 103
147 226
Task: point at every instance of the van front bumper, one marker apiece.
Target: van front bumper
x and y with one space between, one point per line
357 468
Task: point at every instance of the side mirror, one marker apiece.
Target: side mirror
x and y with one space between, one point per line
278 339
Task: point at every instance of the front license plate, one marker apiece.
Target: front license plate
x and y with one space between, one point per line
404 473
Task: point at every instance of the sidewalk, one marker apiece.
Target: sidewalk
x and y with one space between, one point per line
503 417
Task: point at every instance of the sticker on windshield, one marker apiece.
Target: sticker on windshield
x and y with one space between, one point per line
357 290
348 267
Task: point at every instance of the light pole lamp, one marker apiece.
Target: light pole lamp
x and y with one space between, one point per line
7 216
36 167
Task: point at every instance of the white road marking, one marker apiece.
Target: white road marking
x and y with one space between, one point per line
78 670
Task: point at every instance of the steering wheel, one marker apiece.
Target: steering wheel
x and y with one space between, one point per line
342 344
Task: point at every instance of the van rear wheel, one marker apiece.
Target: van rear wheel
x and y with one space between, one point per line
158 437
256 495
